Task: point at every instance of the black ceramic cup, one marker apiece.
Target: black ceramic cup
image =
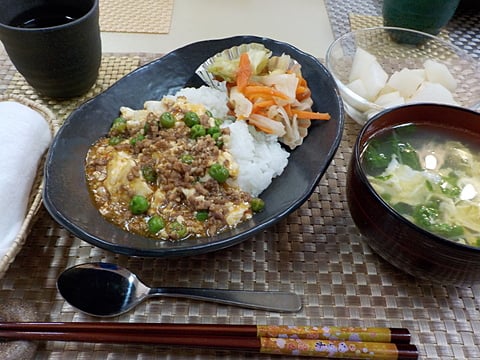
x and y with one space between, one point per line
54 44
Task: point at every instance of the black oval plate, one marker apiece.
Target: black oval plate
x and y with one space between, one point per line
66 195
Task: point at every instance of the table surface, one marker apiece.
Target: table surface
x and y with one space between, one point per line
316 252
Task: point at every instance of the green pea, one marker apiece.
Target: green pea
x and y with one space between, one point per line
167 120
197 131
149 174
213 130
190 118
218 139
119 126
201 215
219 172
147 128
136 139
115 140
138 204
186 159
155 224
257 205
177 229
218 122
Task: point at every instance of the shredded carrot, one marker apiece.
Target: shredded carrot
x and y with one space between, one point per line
311 115
301 81
244 71
262 105
301 89
288 110
266 92
261 127
302 93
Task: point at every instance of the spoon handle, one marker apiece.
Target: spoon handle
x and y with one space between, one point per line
262 300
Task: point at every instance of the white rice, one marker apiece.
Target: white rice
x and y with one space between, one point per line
260 156
214 100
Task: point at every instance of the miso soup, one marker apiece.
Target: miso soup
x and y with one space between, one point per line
431 176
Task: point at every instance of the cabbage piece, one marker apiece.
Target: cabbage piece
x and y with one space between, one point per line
403 184
258 59
285 83
226 68
279 64
267 125
242 106
467 215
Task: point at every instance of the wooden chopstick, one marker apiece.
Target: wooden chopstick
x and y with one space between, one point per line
298 347
393 335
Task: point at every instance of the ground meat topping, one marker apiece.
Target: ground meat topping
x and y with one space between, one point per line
154 177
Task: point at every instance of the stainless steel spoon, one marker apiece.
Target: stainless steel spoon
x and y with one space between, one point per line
102 289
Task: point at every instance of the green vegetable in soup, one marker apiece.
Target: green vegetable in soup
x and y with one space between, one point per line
434 183
379 153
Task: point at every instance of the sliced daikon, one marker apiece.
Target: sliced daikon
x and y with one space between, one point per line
432 92
374 78
361 62
406 81
439 73
358 88
390 99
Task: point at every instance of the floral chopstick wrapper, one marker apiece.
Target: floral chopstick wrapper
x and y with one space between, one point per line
367 334
338 349
337 342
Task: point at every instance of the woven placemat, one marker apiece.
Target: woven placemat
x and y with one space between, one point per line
112 68
360 21
316 252
139 16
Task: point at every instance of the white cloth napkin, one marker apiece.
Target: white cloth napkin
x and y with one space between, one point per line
24 138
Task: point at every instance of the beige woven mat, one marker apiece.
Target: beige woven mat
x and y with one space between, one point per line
138 16
112 68
316 252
